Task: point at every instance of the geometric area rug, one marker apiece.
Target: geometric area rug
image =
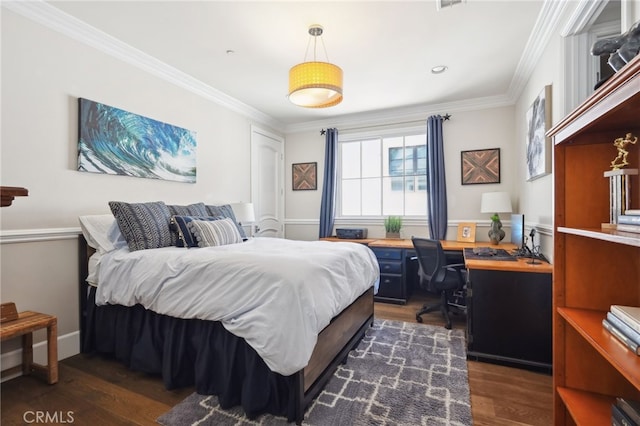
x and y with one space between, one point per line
400 374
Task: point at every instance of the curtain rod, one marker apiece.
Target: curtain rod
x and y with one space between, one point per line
445 117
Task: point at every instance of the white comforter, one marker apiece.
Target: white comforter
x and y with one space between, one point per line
276 294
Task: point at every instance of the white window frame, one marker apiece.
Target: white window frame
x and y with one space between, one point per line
364 135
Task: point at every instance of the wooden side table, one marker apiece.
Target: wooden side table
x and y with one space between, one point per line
24 326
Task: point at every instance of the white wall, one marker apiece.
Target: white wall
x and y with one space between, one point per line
537 195
43 75
466 130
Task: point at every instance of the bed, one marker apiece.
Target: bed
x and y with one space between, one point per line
268 337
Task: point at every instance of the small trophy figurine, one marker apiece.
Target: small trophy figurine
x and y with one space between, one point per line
620 144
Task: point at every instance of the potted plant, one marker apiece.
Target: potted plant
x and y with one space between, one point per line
392 225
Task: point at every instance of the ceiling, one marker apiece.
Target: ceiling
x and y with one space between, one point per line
386 49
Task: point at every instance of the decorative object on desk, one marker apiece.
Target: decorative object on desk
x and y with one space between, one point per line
245 214
118 142
535 249
480 166
495 202
538 144
623 154
392 226
395 366
304 176
467 232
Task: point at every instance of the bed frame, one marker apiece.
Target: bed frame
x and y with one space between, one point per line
334 343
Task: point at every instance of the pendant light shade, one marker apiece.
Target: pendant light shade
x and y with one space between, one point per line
315 84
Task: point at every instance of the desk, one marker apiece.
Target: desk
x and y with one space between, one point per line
508 302
509 311
398 274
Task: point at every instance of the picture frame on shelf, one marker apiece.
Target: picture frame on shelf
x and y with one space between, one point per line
480 166
538 149
304 176
466 232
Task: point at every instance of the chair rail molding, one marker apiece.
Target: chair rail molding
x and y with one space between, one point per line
34 235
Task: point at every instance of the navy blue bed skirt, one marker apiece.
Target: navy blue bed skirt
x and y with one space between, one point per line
197 353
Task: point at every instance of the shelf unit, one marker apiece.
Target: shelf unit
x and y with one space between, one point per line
594 268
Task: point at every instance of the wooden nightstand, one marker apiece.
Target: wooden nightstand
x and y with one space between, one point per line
26 323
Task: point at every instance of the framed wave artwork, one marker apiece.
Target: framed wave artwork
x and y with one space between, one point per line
118 142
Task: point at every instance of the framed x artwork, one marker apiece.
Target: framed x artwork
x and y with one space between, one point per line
480 166
304 176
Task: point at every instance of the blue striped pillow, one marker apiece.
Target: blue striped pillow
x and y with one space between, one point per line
185 237
215 233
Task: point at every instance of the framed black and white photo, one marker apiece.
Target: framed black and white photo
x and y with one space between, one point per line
467 232
538 144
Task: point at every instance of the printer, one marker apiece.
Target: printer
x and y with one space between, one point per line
351 233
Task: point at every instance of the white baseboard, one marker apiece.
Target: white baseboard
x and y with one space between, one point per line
68 345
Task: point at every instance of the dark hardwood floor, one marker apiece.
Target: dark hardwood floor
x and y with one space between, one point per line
96 391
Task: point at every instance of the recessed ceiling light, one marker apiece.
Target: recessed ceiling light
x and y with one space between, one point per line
439 69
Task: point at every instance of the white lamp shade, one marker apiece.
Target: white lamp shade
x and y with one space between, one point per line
495 202
244 212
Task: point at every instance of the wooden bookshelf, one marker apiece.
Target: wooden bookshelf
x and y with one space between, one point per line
594 268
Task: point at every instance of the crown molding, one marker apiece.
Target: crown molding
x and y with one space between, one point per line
404 115
583 16
59 21
49 16
545 27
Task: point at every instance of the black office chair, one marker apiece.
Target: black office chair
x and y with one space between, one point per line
439 277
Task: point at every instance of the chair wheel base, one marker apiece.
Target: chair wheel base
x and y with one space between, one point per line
419 318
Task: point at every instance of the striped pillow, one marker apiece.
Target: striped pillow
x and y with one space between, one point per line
185 236
215 233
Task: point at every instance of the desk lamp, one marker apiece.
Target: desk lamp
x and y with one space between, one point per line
245 214
495 202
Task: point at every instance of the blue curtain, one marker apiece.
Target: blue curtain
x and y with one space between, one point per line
328 206
436 184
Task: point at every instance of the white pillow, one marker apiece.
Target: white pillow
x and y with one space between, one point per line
115 236
215 233
95 229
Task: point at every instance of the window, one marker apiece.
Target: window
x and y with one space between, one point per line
383 176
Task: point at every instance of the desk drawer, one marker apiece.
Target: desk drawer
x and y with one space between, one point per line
390 267
387 253
391 286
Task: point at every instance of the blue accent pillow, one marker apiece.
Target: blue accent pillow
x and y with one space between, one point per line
225 210
185 236
197 209
143 225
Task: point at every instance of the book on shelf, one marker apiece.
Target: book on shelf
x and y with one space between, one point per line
619 417
629 219
623 327
630 315
630 407
621 337
626 227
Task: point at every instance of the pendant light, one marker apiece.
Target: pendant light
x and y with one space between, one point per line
315 84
